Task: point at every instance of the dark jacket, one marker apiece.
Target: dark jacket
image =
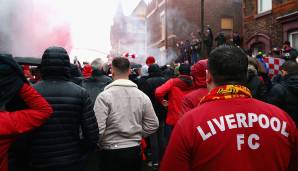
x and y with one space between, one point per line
256 85
96 84
285 95
57 143
154 80
76 74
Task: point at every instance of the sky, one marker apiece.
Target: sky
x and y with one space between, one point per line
32 25
91 26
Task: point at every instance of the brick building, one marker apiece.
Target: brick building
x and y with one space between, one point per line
128 33
268 23
177 19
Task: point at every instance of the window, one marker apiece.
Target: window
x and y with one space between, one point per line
293 38
163 25
130 28
264 5
227 24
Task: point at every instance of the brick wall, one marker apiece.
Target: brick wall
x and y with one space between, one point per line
184 17
268 24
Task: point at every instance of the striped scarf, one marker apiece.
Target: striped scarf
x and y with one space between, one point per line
227 92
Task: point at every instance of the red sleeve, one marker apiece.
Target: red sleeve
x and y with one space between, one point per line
161 91
24 120
177 155
293 165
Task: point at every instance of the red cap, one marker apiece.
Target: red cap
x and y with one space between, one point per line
150 60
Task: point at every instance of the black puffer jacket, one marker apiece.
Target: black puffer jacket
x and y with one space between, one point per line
96 84
154 80
57 143
285 95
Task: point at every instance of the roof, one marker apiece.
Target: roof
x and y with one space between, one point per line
140 10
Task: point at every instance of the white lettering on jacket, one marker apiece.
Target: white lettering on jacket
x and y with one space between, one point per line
240 120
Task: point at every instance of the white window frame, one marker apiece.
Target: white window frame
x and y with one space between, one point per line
291 38
262 9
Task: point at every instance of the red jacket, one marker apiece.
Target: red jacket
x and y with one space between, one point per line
198 73
236 134
192 99
14 123
176 89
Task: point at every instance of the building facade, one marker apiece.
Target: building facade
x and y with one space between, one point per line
128 33
177 19
268 23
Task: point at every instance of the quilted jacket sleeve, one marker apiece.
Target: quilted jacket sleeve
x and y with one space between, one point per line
88 122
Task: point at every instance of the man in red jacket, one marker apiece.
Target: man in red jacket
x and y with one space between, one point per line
192 99
229 130
13 83
176 89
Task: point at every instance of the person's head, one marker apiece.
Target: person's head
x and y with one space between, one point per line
286 44
154 69
227 65
150 60
97 64
120 68
11 79
55 64
184 69
289 67
198 72
75 71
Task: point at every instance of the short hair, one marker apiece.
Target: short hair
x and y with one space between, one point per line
97 64
228 65
122 65
290 67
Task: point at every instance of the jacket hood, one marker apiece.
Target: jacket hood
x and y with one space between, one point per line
198 72
11 78
291 82
185 82
55 64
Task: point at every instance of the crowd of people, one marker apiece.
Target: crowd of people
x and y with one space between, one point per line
219 113
191 50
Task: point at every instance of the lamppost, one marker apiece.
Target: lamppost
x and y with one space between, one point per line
166 29
202 26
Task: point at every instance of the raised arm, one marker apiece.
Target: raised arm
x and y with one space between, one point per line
161 91
21 121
